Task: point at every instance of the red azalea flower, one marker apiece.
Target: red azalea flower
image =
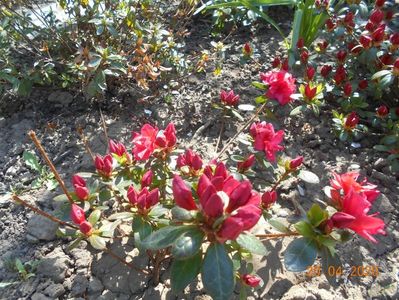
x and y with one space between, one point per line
229 98
284 65
382 111
86 228
219 195
281 85
396 67
394 39
370 27
349 20
143 200
251 280
166 139
353 215
377 15
144 142
347 181
379 3
304 56
351 121
322 45
245 165
104 165
266 139
190 159
340 75
330 25
378 35
363 84
269 198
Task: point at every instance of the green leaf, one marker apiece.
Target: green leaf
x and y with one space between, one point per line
165 237
6 284
300 254
278 225
121 215
31 161
181 214
158 211
380 74
217 272
297 110
184 271
316 215
305 229
142 229
308 177
94 216
97 242
19 265
251 243
188 244
25 87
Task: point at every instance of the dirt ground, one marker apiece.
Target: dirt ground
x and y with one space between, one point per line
83 273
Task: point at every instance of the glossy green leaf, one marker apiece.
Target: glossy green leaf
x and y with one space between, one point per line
188 244
165 237
183 272
97 242
251 243
94 216
31 161
316 215
308 177
141 229
217 272
300 254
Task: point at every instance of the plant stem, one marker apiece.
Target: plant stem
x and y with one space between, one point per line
220 134
270 236
104 126
282 178
86 143
241 130
43 213
39 146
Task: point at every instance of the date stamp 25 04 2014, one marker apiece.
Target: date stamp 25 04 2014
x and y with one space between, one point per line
337 271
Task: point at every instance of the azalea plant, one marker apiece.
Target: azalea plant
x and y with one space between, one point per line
208 217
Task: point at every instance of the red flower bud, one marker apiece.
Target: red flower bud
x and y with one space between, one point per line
251 280
396 67
104 165
322 45
276 62
246 164
341 55
78 181
366 41
295 163
379 3
77 214
376 16
268 198
370 27
132 195
86 228
247 49
166 139
116 148
310 71
363 84
330 25
395 39
284 65
347 89
182 194
378 35
397 111
382 111
146 180
300 43
82 192
340 75
229 98
310 93
304 56
325 70
389 15
348 19
351 120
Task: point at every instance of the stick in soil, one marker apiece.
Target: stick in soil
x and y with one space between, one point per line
43 153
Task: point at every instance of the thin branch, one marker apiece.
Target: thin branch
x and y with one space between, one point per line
130 265
43 213
104 126
241 130
43 153
270 236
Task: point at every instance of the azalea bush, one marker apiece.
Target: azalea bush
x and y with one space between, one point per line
209 217
93 46
353 64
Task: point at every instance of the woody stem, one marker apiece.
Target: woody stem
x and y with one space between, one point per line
281 179
270 236
43 153
130 265
42 213
256 114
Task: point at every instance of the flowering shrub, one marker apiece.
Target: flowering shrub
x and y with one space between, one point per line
354 63
201 215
